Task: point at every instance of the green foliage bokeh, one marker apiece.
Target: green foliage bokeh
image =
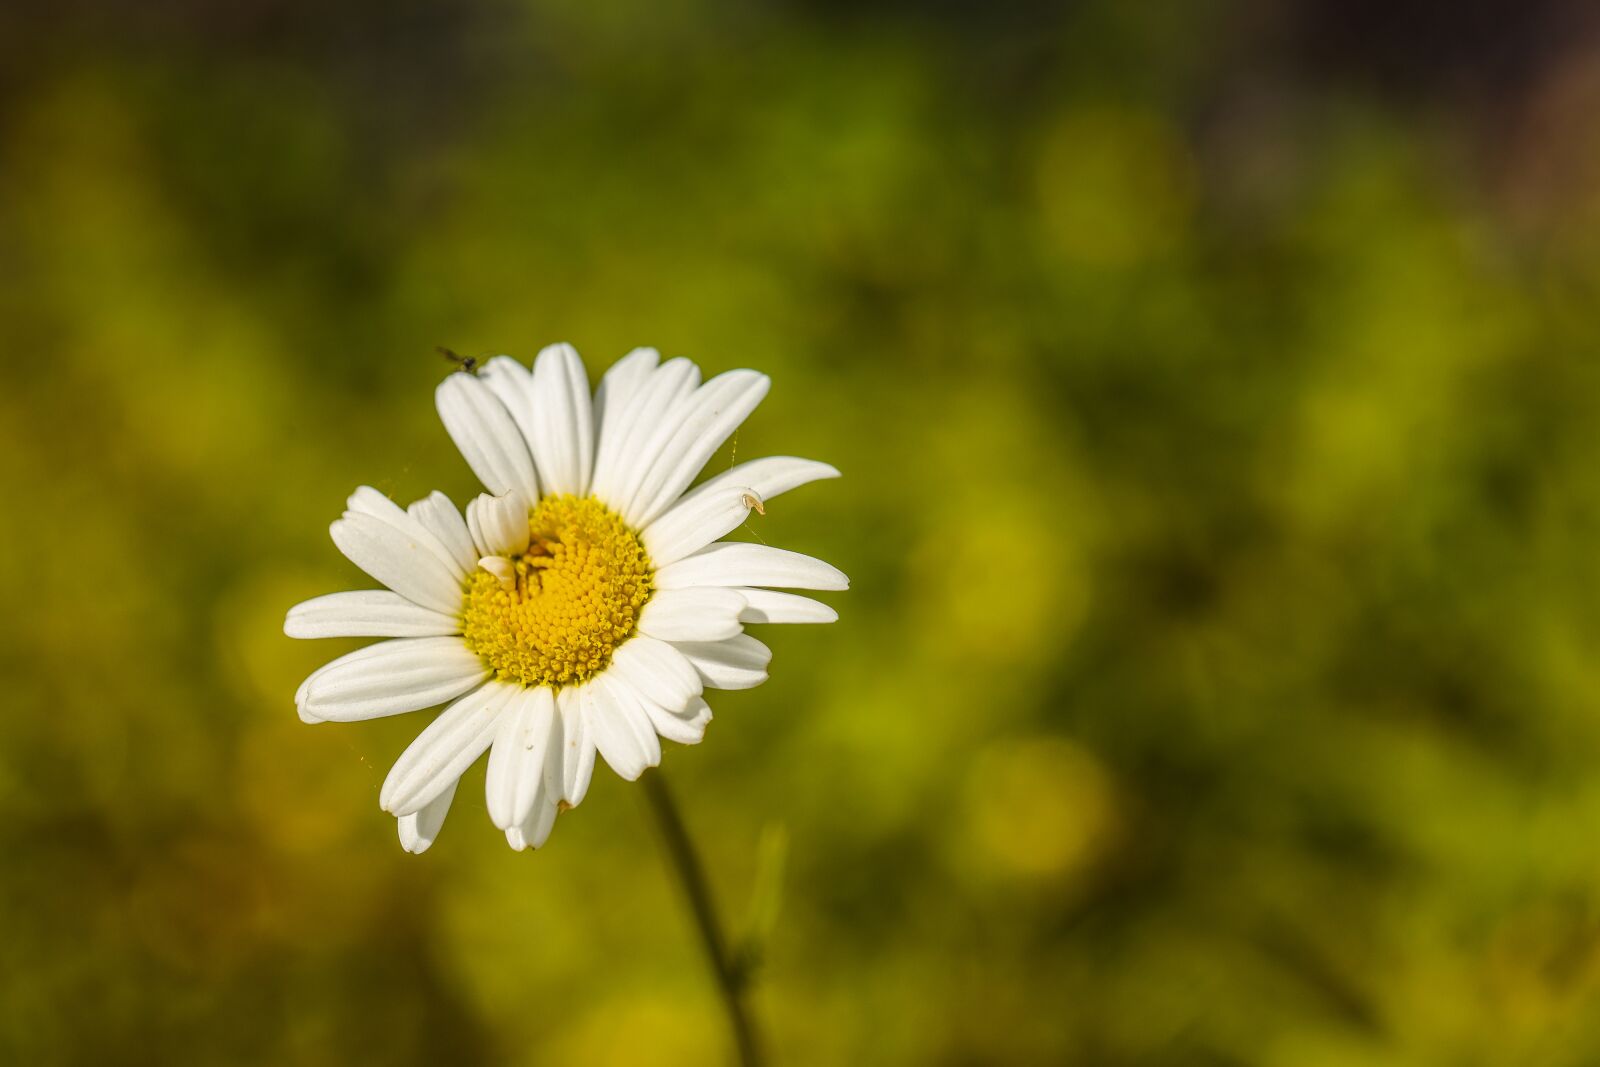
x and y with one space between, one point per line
1218 680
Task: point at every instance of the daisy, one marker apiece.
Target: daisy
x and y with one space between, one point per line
583 605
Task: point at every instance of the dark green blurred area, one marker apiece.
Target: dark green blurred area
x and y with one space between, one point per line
1218 394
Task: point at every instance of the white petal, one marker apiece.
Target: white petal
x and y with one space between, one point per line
621 730
571 765
637 707
737 663
767 605
487 435
300 694
419 829
368 501
341 664
711 415
555 756
500 777
512 383
536 830
452 742
656 670
769 476
440 517
563 422
504 571
683 530
642 430
399 562
515 782
612 403
735 563
391 677
711 510
366 613
687 727
499 525
700 614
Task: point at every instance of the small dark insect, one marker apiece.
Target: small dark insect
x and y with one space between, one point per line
466 363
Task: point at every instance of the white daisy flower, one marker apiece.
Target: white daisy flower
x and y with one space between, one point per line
584 603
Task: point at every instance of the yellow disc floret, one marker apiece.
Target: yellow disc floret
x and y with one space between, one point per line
567 603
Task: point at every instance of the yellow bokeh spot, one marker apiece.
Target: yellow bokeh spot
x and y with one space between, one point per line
1042 806
575 595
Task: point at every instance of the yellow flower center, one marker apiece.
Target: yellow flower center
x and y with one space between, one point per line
571 599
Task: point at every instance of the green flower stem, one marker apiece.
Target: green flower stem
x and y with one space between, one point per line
731 978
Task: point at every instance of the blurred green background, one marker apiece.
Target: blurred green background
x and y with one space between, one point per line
1217 387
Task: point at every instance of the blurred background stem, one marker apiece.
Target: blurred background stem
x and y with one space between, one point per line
731 977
